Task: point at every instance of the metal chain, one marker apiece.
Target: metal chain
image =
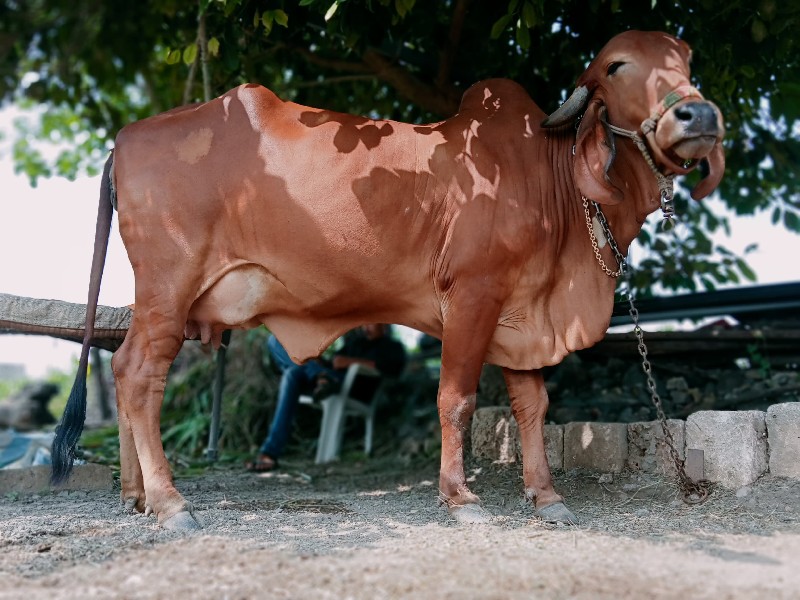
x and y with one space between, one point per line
694 492
611 242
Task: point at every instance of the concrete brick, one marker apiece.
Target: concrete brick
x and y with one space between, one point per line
31 480
647 449
495 435
596 446
783 438
554 446
734 443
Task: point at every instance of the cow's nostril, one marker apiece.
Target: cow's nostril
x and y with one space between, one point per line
685 113
697 115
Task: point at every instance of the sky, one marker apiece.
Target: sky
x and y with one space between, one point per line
47 235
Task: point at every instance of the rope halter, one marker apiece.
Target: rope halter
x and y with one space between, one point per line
665 182
648 134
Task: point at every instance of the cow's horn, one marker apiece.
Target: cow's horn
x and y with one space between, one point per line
570 110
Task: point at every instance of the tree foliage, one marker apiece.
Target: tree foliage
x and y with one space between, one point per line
91 66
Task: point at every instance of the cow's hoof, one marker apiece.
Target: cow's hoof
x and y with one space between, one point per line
182 521
557 513
469 513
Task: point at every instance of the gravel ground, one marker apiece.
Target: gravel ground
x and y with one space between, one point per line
372 529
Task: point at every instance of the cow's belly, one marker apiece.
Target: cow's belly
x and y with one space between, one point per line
248 294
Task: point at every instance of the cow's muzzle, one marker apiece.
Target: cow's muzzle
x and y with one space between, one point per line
687 133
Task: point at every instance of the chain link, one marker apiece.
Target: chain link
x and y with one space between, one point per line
694 492
607 232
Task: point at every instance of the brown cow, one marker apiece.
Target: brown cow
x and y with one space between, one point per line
247 210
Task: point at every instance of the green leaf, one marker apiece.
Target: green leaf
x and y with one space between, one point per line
306 2
758 31
523 36
213 46
500 26
173 57
791 221
190 54
745 270
230 6
747 71
281 18
266 21
529 15
331 10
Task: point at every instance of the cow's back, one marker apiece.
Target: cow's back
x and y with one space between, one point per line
343 211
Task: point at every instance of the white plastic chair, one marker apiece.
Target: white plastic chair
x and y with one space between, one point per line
337 407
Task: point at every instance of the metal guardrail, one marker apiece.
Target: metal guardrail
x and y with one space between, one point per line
744 304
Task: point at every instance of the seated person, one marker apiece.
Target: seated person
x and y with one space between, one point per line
369 345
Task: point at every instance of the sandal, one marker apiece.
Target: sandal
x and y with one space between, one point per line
262 464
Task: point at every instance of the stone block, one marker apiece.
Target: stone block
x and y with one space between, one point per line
783 437
647 449
31 480
734 445
596 446
495 435
554 446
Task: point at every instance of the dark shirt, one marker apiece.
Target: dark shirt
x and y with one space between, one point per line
388 354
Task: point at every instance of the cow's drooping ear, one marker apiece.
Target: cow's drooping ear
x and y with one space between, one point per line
594 154
716 168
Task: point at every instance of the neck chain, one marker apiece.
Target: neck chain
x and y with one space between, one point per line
622 264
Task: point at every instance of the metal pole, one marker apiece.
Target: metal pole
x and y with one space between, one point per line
212 452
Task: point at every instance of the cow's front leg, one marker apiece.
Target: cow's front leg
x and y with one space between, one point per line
529 404
140 367
470 322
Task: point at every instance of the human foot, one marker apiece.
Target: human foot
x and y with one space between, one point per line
262 464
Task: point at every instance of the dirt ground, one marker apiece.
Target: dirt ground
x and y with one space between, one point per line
373 530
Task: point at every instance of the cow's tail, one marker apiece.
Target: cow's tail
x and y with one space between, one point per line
69 429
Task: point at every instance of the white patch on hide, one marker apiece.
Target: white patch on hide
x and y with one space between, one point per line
194 146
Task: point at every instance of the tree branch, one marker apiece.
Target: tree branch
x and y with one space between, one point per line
333 80
443 102
202 42
449 49
328 63
426 96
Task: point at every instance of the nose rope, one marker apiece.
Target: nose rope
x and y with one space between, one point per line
648 128
665 182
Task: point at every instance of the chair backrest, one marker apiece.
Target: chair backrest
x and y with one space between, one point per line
361 383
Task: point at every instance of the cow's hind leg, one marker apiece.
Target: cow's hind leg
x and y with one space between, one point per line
140 367
529 404
132 483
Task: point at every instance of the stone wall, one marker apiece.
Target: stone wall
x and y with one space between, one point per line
738 446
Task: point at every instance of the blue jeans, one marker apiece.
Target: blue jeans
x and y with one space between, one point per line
295 379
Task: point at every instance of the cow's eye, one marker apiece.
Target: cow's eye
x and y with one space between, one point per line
612 68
